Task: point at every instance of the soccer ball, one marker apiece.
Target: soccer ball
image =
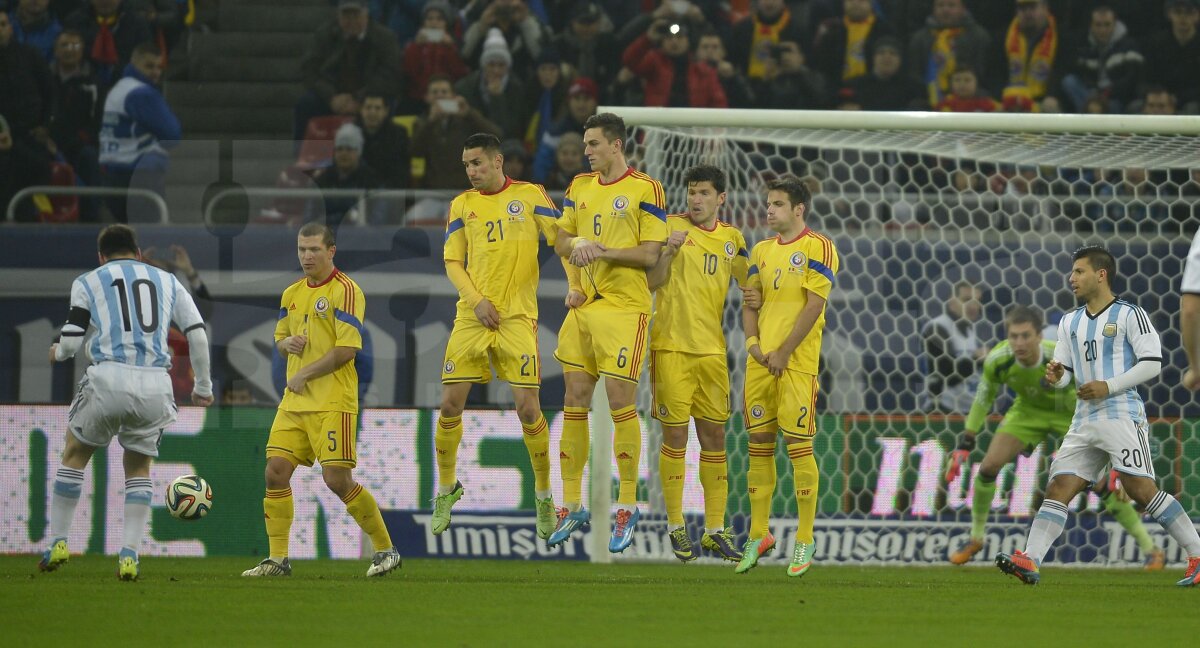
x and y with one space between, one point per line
189 497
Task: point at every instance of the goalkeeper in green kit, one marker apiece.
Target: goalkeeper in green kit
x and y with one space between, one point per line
1039 409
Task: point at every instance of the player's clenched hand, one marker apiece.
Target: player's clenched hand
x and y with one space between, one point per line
1191 379
676 239
752 298
1054 372
575 299
959 457
487 314
1093 390
586 252
776 362
202 401
296 383
294 344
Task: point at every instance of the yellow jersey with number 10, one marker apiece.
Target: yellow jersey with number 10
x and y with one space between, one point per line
689 308
786 271
622 214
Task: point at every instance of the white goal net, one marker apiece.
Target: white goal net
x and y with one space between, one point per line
916 204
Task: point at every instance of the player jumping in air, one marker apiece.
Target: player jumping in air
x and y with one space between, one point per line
1110 347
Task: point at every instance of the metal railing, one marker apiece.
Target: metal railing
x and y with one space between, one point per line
99 192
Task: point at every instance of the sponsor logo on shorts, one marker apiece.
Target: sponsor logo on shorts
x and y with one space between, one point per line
1110 329
757 411
798 260
449 368
322 306
729 251
515 208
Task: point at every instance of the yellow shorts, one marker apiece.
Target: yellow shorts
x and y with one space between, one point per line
302 437
473 350
788 403
687 385
604 341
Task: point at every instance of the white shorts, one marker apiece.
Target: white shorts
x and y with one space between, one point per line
133 404
1090 447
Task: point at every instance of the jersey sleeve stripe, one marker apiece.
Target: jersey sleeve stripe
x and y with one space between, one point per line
567 202
743 252
546 211
813 264
193 327
282 312
753 270
343 316
655 210
1146 359
453 227
546 196
350 297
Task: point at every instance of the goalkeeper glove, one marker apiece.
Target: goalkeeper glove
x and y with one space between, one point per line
959 457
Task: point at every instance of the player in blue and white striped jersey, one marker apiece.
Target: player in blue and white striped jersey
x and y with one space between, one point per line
126 393
1111 347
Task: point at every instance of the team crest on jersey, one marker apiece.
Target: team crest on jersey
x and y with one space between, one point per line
620 203
729 248
1110 329
322 306
515 208
798 260
757 411
449 368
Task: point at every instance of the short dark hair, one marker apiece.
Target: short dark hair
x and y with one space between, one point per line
795 188
705 173
439 77
486 141
70 32
117 239
147 48
612 126
1020 314
1099 258
319 229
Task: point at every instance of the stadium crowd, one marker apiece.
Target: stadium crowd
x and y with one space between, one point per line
531 71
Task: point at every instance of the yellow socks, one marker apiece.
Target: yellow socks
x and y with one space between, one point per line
804 470
761 485
714 477
445 442
670 470
573 454
627 448
278 511
537 442
362 507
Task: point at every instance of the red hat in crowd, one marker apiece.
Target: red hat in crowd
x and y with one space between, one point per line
586 86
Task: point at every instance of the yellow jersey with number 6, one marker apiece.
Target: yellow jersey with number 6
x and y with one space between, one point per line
786 271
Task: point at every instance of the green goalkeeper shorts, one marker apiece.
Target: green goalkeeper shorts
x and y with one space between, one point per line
1033 426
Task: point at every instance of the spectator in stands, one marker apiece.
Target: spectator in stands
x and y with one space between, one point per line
110 33
348 172
547 96
25 93
966 95
886 87
954 352
432 51
581 104
385 145
348 57
670 75
754 37
568 162
1158 101
788 83
138 128
1137 205
589 46
1031 48
949 39
1173 55
516 160
710 49
682 12
76 109
1105 62
438 135
35 26
495 91
842 48
524 37
164 19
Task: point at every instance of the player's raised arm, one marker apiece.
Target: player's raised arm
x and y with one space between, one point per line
658 274
71 336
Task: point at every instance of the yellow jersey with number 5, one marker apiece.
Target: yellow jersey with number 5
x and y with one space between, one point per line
689 308
786 271
621 214
330 314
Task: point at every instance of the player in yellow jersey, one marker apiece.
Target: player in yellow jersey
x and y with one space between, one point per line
319 331
491 256
791 275
687 354
613 225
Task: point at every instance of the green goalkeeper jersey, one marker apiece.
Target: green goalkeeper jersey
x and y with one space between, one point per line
1033 394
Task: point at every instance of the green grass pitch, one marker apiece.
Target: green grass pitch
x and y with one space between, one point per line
204 602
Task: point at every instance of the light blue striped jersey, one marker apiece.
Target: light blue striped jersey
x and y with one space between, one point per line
1105 345
131 306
